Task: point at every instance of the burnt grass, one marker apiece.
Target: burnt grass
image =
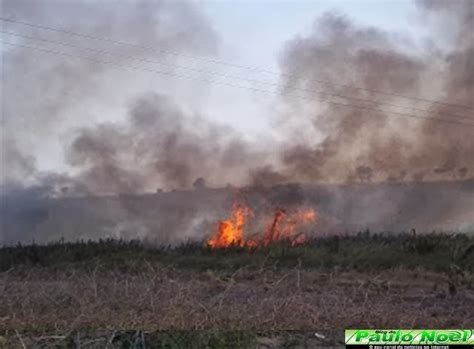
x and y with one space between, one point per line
135 294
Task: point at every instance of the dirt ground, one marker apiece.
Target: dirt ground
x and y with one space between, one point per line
268 299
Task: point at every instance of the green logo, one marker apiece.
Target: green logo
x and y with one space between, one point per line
414 337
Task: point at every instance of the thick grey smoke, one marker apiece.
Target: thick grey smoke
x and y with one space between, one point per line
360 143
158 146
46 97
122 137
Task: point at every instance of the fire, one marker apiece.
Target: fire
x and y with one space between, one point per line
230 231
283 226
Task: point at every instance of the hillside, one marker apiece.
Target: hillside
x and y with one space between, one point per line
179 216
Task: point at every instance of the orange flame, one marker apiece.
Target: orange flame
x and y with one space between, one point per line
230 231
283 226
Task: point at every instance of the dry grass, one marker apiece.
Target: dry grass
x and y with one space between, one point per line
164 298
91 298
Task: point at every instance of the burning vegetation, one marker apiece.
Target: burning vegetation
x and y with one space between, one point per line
282 225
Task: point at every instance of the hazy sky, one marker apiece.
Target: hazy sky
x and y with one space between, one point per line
250 33
253 33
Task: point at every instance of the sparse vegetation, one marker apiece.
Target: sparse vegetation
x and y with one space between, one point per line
364 251
64 290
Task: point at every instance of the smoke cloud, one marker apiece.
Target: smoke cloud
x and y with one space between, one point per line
360 143
46 97
158 147
119 137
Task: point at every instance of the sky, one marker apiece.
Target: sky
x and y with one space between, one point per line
249 33
225 91
254 33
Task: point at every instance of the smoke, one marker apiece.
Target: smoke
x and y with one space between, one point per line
16 166
158 146
363 140
155 141
113 136
47 97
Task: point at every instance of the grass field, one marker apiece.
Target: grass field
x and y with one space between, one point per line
132 294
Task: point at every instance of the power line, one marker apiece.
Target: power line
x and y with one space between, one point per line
221 62
365 107
145 60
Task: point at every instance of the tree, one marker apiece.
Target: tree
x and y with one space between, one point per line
199 184
364 173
